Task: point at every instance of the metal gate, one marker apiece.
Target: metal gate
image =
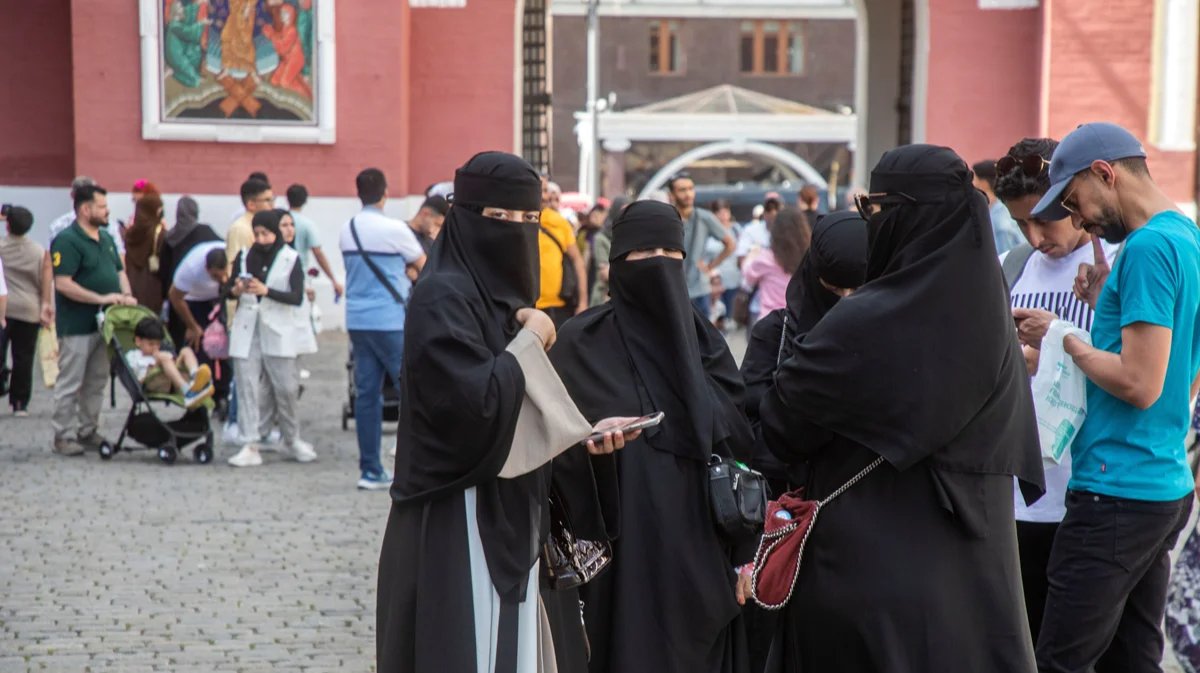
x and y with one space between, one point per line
535 94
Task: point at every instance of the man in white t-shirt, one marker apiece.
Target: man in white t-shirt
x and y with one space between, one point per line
1041 275
194 294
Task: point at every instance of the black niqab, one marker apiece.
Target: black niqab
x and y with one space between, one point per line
659 327
259 257
461 392
837 255
922 362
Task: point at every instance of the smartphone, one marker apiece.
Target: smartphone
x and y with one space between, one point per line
648 421
245 277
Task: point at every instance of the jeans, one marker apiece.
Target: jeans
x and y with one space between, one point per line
376 353
22 337
222 370
1107 584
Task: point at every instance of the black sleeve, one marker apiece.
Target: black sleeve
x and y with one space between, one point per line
227 288
758 370
789 435
587 488
295 293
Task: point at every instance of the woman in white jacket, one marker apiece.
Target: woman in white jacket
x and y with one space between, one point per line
268 283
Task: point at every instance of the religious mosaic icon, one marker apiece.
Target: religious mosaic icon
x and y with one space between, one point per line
239 60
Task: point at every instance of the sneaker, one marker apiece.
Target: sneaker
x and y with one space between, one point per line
303 451
392 451
305 375
194 398
375 482
247 457
201 379
68 447
21 413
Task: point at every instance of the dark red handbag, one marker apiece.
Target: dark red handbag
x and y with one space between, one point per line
789 521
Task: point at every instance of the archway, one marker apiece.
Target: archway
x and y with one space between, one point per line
775 152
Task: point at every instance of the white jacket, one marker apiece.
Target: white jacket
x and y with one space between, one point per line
276 321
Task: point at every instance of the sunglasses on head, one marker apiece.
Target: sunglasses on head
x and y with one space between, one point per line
865 203
1032 165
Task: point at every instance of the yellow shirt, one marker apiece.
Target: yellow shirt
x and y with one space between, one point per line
240 237
552 257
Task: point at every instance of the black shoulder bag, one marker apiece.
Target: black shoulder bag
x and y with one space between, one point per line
373 266
569 292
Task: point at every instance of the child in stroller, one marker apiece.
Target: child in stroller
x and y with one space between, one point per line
161 372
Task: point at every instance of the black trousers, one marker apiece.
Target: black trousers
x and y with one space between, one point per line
1034 542
1107 584
21 337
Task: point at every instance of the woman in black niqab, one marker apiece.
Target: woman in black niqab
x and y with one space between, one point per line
914 568
458 587
838 257
667 603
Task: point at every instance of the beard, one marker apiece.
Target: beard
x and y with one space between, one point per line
1112 227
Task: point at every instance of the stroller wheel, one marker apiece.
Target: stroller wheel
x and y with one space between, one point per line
203 454
168 454
106 451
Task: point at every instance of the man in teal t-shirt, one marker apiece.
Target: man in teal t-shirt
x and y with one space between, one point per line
1131 489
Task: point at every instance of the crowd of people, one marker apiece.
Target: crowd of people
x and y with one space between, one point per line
886 385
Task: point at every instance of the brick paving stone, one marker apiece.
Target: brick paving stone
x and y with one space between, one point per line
133 566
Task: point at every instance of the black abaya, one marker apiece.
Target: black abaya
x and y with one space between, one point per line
667 602
914 569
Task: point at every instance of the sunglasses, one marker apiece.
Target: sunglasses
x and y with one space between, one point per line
865 203
1032 165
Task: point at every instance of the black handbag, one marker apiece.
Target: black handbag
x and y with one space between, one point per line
569 292
738 496
567 561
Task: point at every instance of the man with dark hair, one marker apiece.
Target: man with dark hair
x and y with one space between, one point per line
1041 274
427 223
809 200
376 250
699 225
256 196
307 240
1131 489
260 176
194 292
88 276
65 220
1004 230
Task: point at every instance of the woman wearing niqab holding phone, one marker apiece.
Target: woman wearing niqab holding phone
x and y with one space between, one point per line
482 415
914 568
667 604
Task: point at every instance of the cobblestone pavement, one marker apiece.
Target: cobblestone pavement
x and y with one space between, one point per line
132 566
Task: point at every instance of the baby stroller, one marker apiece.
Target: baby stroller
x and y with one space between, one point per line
143 425
391 396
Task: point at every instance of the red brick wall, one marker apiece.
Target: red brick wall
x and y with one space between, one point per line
1101 69
462 81
984 77
372 54
36 143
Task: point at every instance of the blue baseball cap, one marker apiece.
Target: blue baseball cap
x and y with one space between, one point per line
1098 141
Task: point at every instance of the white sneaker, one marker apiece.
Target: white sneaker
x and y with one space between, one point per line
305 375
247 457
303 451
392 451
270 442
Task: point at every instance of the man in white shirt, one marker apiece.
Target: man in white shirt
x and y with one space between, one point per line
1041 275
194 293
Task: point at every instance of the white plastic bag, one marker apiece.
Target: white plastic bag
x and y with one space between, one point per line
1059 392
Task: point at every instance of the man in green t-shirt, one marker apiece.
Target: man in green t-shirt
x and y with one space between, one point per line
88 276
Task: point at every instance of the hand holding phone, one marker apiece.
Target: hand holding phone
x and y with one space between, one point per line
628 428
